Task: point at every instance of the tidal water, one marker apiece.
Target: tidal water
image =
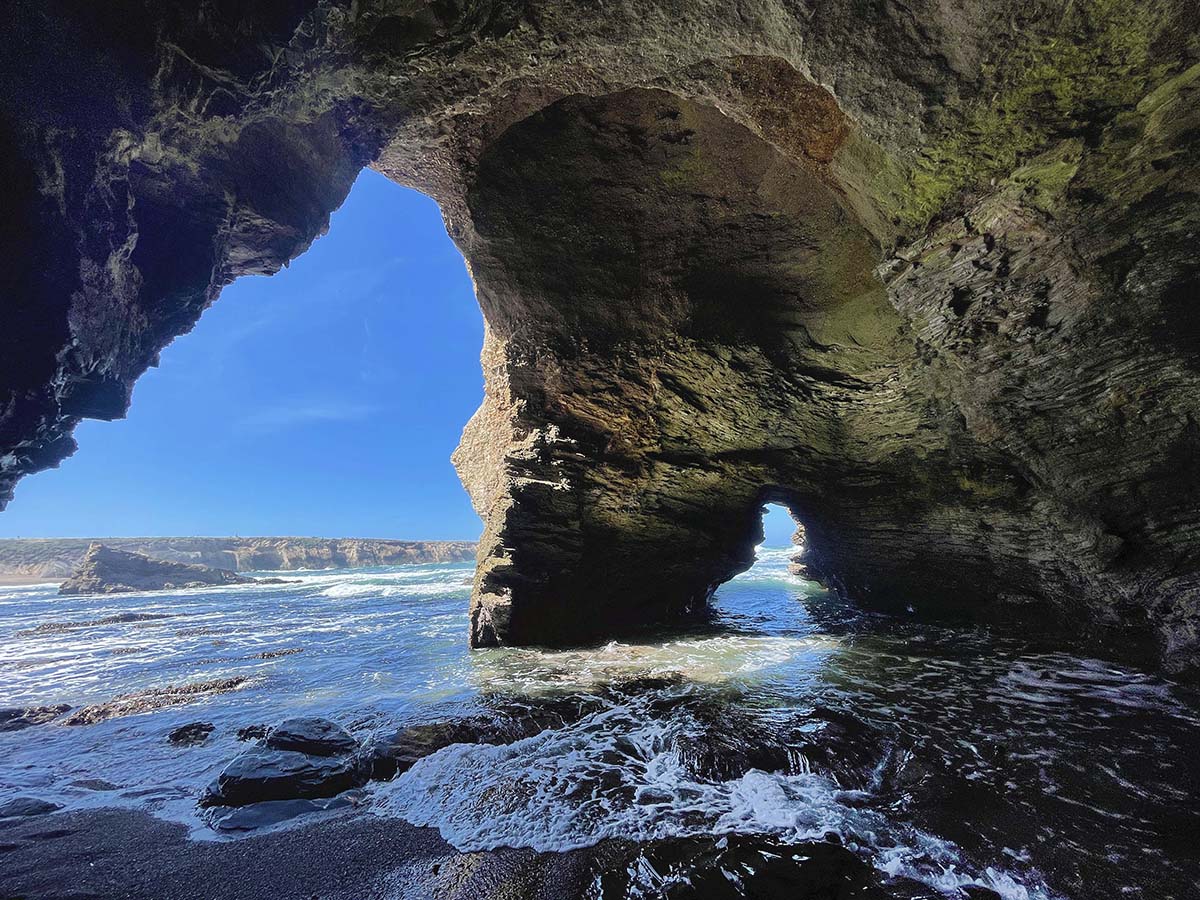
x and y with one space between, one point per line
950 758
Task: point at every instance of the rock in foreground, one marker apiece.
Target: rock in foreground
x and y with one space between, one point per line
263 774
304 758
311 735
104 570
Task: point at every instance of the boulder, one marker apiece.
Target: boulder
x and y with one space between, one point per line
263 773
104 570
842 746
386 756
252 732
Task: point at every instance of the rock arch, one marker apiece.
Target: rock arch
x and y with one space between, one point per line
674 214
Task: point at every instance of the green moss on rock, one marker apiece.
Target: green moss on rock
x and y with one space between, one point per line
1099 61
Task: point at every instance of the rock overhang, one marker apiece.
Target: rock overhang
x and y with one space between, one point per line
1006 417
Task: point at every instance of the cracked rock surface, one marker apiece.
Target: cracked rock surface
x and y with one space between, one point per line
923 272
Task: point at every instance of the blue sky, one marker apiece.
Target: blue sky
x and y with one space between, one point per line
324 400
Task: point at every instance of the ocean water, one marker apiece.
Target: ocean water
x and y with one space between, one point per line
963 757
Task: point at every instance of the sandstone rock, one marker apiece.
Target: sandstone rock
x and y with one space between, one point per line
311 735
107 571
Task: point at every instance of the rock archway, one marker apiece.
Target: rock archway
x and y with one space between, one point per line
679 314
926 273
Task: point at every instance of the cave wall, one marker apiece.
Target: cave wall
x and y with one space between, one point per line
925 272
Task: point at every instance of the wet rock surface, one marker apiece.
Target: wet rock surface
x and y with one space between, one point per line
314 759
152 699
18 718
261 774
387 755
311 735
266 813
737 866
922 275
252 732
118 619
295 764
27 806
191 735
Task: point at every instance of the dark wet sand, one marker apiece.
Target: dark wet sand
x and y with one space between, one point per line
122 854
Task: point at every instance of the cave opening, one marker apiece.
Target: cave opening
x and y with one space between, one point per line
324 400
780 527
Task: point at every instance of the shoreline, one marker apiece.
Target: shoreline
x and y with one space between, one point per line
112 852
356 855
27 580
350 855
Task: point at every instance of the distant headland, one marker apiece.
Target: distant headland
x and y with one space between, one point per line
52 558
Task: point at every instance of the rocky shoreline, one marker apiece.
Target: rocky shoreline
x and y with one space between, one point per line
310 765
357 856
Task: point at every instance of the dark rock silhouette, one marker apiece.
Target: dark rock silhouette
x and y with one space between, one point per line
311 735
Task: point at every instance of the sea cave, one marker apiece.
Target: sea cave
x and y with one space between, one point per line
921 274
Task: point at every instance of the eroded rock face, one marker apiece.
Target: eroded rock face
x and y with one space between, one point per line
104 570
922 272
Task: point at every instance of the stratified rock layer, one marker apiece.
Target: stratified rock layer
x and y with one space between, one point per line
923 272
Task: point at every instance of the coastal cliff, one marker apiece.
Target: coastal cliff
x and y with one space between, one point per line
58 557
923 272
